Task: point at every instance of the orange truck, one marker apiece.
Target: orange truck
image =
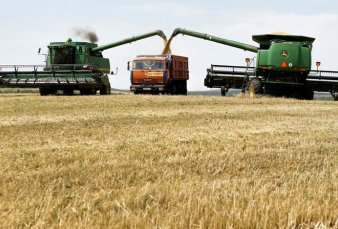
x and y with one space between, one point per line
155 74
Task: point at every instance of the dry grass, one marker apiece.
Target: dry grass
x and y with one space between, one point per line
128 161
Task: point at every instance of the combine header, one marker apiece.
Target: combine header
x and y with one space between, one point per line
69 66
283 67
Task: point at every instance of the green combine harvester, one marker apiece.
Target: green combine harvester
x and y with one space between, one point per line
283 67
69 66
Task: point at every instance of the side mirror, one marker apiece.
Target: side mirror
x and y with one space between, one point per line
116 72
39 53
128 65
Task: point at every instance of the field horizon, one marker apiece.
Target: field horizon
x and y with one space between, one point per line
142 161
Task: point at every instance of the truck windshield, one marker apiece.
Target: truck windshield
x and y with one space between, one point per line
148 65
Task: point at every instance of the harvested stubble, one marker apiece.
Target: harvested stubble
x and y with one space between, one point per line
170 162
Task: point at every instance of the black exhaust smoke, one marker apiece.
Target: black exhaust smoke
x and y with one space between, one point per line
86 34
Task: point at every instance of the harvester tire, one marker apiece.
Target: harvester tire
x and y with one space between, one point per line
106 90
309 91
255 87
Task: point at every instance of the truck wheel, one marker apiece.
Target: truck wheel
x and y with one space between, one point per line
223 92
181 88
255 87
184 88
174 89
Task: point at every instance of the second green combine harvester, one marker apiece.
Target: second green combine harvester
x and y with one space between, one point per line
283 67
69 66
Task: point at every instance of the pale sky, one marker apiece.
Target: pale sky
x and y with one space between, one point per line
28 25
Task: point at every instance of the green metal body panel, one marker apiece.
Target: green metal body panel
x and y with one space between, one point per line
280 58
223 41
277 53
283 54
129 40
295 57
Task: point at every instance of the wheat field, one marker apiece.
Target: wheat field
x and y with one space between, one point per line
127 161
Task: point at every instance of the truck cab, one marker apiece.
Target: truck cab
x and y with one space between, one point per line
150 70
159 74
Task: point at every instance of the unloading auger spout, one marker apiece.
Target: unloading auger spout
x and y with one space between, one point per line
129 40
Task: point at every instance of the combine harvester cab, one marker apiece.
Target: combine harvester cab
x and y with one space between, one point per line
282 68
69 66
75 66
166 74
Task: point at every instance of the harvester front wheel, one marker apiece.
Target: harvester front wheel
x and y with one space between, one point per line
106 90
255 88
309 91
